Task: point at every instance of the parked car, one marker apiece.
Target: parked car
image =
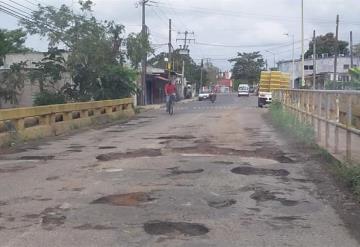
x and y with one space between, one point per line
204 94
243 90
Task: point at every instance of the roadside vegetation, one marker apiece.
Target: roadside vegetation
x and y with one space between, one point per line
349 174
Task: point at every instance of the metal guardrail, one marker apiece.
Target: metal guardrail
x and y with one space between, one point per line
340 109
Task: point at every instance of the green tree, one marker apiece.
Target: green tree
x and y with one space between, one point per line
137 46
192 70
326 44
12 83
247 67
356 50
48 72
11 41
94 46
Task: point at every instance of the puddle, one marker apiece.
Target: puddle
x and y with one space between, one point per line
221 203
144 152
176 171
115 131
248 170
130 199
75 146
94 227
206 148
107 147
37 157
175 228
265 195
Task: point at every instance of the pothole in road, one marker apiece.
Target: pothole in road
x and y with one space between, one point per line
144 152
130 199
52 178
288 218
176 171
221 162
15 169
74 150
52 217
265 195
248 170
176 137
37 157
94 227
221 203
107 147
206 148
175 228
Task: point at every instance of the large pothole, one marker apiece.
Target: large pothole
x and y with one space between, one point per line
248 170
206 148
130 199
177 171
175 228
221 203
37 157
261 195
143 152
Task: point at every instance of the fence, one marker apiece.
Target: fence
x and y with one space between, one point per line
34 122
335 116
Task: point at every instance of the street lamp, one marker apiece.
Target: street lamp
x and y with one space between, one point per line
293 59
302 45
274 57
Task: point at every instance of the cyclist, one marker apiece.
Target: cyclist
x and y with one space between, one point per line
170 90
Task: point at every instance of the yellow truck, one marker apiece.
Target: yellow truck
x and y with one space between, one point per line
270 81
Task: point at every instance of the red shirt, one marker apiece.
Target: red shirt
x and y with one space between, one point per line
170 89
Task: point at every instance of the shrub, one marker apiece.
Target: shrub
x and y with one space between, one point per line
48 98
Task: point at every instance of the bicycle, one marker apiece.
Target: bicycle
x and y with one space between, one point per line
171 105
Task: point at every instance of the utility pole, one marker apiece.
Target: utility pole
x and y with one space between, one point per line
351 50
170 48
302 45
185 47
336 50
144 59
314 61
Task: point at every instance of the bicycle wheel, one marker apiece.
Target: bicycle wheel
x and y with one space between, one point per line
171 108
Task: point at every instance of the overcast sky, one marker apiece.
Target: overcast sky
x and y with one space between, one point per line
222 27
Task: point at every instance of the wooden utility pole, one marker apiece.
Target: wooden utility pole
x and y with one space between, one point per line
170 50
351 50
144 59
336 50
302 45
314 61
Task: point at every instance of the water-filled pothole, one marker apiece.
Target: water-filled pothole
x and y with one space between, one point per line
94 227
143 152
248 170
175 228
130 199
176 137
221 203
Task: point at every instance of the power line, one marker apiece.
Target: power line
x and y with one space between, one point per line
21 5
244 14
16 9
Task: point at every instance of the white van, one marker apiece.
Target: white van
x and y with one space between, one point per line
243 90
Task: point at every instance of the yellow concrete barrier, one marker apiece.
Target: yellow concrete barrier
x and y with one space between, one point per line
36 122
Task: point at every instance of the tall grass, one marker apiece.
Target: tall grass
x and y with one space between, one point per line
288 123
349 174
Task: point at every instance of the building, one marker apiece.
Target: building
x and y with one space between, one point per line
225 83
324 69
30 89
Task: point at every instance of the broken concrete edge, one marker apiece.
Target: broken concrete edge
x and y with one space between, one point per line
15 138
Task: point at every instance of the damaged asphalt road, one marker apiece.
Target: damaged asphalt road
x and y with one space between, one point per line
211 175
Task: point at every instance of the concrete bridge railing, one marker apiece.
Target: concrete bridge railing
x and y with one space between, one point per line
335 116
35 122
